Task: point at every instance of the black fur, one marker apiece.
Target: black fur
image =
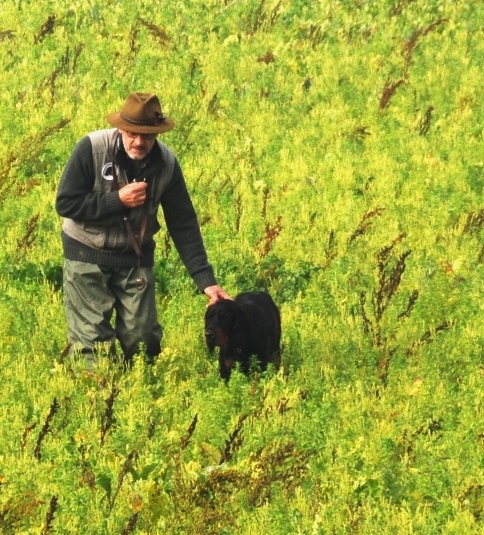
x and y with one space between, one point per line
249 325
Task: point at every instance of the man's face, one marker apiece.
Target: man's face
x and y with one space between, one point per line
137 146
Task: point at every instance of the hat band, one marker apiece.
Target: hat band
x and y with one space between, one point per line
159 119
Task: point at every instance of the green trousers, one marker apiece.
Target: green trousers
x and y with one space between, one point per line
103 304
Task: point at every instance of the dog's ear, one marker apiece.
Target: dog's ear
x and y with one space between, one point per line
239 318
240 324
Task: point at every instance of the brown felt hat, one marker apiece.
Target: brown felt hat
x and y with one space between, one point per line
141 114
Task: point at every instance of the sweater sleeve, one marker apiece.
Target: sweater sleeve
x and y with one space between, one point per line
75 196
182 224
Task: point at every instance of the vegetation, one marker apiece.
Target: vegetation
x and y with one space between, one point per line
334 151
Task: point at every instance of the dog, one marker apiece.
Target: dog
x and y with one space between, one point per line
248 325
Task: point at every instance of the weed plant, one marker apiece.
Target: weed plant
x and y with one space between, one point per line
334 152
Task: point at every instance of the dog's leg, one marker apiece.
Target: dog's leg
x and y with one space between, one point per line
225 363
276 358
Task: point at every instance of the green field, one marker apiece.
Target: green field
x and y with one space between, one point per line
334 151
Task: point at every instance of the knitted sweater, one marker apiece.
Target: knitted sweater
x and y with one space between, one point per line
93 211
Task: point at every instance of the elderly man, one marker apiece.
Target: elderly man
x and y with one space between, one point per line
109 195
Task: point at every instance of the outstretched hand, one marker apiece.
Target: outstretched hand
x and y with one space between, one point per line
215 293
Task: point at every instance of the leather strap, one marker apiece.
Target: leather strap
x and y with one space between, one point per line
140 281
127 223
132 237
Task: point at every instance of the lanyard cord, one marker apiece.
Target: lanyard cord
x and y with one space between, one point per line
140 281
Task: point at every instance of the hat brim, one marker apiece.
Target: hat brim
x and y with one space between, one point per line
115 119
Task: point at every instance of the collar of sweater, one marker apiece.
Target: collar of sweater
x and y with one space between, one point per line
154 161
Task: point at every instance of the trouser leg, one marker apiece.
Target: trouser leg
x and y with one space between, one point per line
88 303
92 293
136 317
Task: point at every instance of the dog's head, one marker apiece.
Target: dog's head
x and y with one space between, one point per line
220 320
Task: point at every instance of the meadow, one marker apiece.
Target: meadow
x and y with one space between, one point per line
334 151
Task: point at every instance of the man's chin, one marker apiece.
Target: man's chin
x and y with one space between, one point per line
137 155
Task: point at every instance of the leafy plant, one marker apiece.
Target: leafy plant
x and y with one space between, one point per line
333 151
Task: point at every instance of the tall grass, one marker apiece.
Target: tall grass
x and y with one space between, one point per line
334 153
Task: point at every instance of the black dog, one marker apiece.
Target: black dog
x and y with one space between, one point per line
249 325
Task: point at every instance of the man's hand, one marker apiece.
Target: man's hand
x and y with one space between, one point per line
133 195
215 293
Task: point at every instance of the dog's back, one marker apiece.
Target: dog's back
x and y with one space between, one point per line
264 318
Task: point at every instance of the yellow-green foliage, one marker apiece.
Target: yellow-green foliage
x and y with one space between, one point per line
334 151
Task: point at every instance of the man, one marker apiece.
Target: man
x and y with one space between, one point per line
109 196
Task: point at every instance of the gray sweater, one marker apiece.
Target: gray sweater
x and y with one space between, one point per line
93 229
